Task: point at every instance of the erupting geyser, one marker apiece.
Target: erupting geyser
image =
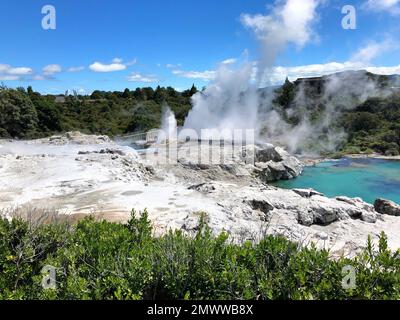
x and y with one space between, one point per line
169 127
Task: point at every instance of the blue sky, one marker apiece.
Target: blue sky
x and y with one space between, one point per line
180 42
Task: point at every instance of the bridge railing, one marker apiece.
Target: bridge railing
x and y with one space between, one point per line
149 136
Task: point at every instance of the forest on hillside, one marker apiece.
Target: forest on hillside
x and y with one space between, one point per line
362 107
370 124
26 114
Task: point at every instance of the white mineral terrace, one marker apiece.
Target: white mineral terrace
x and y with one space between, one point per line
78 174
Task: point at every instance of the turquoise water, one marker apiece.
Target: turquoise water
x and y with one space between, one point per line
365 178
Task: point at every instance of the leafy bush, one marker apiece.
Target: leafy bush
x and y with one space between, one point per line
18 116
104 260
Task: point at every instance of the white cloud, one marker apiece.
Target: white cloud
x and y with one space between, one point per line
173 66
39 77
100 67
202 75
290 22
76 69
9 73
51 69
6 77
131 63
391 6
372 50
137 77
229 61
117 60
279 74
361 60
385 70
117 64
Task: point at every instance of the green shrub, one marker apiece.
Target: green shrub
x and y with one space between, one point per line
104 260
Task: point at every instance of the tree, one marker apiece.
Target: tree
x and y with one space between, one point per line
138 94
18 115
159 95
286 94
148 93
96 95
29 90
126 94
365 121
171 92
193 90
49 115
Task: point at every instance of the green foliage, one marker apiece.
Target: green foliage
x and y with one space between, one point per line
140 228
378 272
369 126
23 249
104 260
286 94
28 114
18 116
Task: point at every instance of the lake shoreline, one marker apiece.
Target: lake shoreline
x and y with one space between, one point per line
310 162
80 175
372 177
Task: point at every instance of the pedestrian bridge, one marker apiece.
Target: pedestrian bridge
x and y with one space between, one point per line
140 138
151 137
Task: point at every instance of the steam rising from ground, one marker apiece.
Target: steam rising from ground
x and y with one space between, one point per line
234 100
289 22
227 104
340 92
168 125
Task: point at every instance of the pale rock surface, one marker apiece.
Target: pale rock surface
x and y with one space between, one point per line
307 193
78 174
274 164
74 137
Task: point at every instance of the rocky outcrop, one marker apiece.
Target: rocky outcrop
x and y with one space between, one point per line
210 162
262 205
274 163
74 137
326 210
311 210
387 207
104 151
193 165
273 171
267 153
203 187
307 193
360 209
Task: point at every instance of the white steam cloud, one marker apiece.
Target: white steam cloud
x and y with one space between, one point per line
169 125
234 99
229 103
289 23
